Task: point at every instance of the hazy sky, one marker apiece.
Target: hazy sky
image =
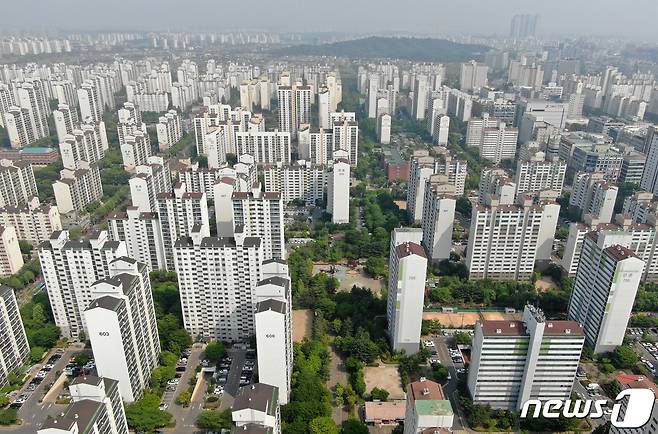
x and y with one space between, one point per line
629 18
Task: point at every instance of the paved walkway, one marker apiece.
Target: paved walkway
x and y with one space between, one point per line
337 374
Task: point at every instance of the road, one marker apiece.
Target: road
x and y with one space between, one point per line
582 393
450 390
185 417
34 412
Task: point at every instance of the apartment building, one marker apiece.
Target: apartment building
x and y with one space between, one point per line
180 212
78 188
505 240
96 408
122 327
32 222
535 174
273 327
438 217
70 268
17 183
217 280
260 214
299 181
267 147
14 349
142 234
604 291
408 268
148 181
592 194
11 258
338 189
515 361
169 130
256 409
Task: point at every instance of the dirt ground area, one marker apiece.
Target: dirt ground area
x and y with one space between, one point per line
501 316
359 277
402 204
302 324
453 320
385 377
544 284
349 277
467 319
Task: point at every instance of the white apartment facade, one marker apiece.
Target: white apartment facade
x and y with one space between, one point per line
69 268
11 258
301 181
142 234
169 130
338 189
604 291
148 181
78 188
260 214
14 349
122 327
17 183
33 222
217 280
266 147
437 221
505 240
106 392
408 269
591 194
516 361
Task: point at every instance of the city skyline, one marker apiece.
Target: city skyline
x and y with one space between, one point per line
469 17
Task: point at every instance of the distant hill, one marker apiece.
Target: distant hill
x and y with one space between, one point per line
415 49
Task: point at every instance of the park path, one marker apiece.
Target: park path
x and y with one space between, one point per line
337 374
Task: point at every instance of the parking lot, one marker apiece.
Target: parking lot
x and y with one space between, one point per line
646 349
241 371
444 351
31 410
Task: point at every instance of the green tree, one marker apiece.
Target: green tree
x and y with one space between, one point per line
215 351
354 426
462 338
38 315
440 373
8 416
36 354
376 266
144 414
26 248
623 357
214 420
323 425
378 394
184 398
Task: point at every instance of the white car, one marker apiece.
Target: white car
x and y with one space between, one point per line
219 390
173 382
429 343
